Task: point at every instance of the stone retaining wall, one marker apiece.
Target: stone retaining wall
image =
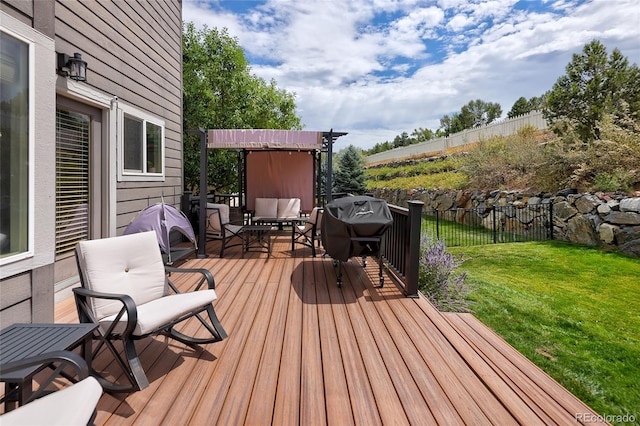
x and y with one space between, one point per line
591 219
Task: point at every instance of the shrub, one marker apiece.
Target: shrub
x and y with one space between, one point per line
504 162
609 163
438 279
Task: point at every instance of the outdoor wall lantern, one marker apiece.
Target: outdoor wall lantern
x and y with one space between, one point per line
72 66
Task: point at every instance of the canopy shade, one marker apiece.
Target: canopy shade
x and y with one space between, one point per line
264 139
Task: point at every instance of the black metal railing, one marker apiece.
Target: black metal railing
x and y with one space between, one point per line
190 204
401 245
487 225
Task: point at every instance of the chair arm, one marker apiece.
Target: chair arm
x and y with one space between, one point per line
206 276
63 359
66 357
129 306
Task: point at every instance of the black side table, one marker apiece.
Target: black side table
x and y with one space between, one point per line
257 238
19 341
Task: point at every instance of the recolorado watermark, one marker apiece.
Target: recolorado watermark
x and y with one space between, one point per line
607 418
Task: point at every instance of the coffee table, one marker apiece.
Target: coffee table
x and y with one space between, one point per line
257 238
20 341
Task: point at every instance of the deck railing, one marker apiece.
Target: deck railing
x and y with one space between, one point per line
400 250
401 247
487 225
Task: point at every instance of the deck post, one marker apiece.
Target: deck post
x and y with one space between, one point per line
202 211
413 257
329 177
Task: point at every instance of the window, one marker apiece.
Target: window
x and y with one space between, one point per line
15 146
142 147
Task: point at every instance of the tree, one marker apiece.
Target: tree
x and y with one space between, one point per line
446 124
594 85
523 106
455 123
478 113
474 114
421 135
220 92
349 175
401 140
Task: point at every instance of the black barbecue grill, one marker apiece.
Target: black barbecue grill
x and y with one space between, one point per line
354 226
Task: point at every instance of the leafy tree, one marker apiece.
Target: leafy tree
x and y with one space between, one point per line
401 140
455 123
422 135
478 113
446 123
520 107
220 92
349 175
523 106
595 84
379 147
404 139
474 114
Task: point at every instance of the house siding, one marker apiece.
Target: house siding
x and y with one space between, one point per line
26 286
134 51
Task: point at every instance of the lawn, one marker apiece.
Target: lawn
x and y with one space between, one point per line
573 310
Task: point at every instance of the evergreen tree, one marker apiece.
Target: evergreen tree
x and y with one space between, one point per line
523 106
349 175
595 85
474 114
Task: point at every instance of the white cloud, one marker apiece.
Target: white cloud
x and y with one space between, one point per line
377 68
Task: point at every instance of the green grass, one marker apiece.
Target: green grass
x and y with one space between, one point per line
573 310
426 174
420 168
450 179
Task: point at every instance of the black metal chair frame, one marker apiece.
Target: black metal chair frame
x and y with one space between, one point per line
309 237
59 362
226 233
132 366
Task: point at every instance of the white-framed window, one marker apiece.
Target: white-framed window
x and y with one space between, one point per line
16 147
141 145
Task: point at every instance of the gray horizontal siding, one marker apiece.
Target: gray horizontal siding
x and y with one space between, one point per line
134 51
22 10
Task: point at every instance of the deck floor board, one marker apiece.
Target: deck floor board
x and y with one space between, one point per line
302 351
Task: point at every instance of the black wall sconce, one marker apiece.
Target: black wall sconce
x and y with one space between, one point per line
72 66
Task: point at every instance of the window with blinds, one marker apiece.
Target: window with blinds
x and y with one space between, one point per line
72 179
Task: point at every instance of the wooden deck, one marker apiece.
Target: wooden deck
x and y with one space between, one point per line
302 351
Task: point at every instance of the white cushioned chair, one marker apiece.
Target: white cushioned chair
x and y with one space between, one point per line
265 208
69 406
125 288
308 233
220 228
288 208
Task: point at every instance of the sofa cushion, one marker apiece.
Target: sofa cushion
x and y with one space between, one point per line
266 207
73 405
288 208
159 312
130 264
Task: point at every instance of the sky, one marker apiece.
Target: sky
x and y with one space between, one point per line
377 68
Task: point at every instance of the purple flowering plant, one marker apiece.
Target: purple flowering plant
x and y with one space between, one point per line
439 278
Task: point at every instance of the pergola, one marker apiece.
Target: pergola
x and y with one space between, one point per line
271 163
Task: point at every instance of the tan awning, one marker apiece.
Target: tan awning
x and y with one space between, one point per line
254 139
